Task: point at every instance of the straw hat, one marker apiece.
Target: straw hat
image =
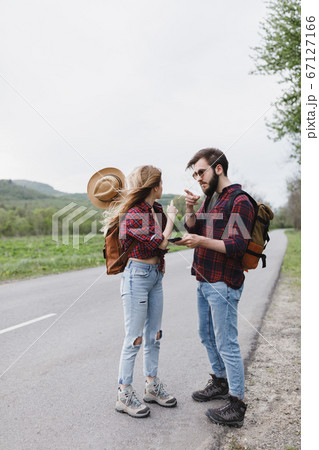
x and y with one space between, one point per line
104 186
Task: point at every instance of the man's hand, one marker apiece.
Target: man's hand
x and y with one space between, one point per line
190 240
195 241
191 200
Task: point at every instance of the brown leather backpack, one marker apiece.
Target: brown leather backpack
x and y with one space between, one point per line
115 255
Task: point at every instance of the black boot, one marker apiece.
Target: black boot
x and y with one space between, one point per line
231 414
214 389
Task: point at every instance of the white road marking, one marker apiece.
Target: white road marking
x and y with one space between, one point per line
29 322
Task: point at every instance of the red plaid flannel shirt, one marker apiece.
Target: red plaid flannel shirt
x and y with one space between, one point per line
139 223
210 265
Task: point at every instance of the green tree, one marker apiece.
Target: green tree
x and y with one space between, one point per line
23 227
7 222
280 54
282 218
294 201
179 203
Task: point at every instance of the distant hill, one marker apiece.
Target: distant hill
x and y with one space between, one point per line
10 191
32 195
40 187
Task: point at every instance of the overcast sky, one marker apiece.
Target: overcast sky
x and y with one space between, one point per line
127 83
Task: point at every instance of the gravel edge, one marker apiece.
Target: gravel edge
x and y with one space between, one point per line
273 392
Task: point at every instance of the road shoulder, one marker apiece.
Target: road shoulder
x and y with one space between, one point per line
272 381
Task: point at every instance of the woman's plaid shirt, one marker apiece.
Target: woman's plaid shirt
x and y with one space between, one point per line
139 223
212 266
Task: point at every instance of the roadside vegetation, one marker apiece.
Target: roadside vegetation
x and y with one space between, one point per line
33 256
292 261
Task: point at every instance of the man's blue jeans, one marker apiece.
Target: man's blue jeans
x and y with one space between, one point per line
142 294
217 312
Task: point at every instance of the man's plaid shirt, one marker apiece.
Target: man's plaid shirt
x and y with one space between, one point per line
210 265
139 223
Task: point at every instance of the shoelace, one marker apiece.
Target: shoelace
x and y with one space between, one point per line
213 382
159 389
209 383
229 407
132 399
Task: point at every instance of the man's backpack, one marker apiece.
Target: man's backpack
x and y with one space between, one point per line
259 232
114 253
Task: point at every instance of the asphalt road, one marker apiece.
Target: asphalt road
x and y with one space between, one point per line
58 374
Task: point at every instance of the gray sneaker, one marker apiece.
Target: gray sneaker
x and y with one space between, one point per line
127 402
155 393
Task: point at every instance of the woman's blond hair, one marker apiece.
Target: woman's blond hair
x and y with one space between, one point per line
140 184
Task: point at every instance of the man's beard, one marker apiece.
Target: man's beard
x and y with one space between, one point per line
212 185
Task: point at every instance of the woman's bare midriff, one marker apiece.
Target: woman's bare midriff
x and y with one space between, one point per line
153 260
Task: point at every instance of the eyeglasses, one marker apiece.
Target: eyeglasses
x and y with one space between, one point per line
199 174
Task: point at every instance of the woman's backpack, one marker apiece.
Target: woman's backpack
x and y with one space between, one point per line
115 255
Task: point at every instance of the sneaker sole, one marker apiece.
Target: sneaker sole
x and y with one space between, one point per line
237 424
166 405
216 397
136 416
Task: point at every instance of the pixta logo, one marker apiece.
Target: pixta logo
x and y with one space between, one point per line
68 220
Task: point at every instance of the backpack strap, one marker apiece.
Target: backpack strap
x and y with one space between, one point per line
234 195
127 252
258 255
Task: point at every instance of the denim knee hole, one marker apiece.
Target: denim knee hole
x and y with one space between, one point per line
159 335
138 341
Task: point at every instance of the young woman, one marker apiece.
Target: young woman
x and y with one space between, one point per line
143 221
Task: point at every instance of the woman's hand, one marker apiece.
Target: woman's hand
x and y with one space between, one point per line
171 215
171 211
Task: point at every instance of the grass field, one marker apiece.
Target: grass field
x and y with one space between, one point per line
33 256
292 260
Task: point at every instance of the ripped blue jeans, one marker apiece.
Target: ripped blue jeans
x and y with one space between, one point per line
142 295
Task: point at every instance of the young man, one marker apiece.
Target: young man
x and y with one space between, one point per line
220 241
